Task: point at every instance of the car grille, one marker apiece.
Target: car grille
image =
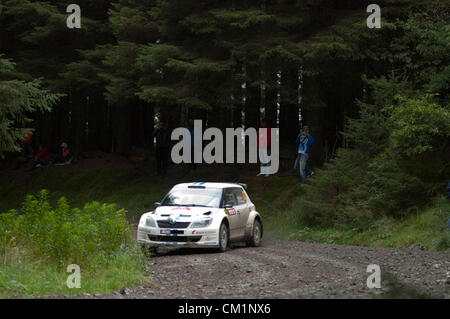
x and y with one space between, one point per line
184 239
166 224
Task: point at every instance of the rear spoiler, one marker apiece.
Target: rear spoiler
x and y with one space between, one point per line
200 186
243 185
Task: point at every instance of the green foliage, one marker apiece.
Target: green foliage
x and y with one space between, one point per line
18 99
421 134
337 196
394 192
396 160
172 59
426 228
82 236
130 21
38 242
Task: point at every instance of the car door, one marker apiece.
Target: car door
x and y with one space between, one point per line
242 209
229 201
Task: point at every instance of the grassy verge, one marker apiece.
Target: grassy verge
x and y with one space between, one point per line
22 275
278 205
426 228
39 242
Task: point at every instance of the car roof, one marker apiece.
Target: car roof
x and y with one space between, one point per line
207 185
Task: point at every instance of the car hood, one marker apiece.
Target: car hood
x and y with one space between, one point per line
183 213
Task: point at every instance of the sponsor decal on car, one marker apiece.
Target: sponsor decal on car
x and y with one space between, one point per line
230 211
203 232
173 232
179 207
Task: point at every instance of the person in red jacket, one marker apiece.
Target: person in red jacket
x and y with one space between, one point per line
65 157
264 140
41 158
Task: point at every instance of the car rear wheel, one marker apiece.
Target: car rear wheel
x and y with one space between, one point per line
255 239
223 238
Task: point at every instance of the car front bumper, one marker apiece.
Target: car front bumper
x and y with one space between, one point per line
178 237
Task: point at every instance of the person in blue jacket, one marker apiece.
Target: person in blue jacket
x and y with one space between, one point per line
304 141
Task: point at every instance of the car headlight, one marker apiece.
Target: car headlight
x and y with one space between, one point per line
150 222
201 223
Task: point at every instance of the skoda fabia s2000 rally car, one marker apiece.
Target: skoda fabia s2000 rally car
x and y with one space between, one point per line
202 215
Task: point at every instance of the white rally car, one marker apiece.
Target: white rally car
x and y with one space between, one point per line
202 215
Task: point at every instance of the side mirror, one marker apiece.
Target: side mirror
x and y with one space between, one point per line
228 206
157 204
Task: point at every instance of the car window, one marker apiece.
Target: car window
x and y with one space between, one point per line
229 197
193 197
239 196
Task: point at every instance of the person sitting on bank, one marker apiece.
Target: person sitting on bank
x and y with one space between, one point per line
41 158
26 154
65 157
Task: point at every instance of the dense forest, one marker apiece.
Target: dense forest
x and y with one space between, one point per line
377 100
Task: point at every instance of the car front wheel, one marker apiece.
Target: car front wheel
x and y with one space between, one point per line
255 239
223 238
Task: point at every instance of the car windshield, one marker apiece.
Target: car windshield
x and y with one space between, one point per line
193 197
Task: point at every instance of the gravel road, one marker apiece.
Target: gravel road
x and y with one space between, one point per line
292 269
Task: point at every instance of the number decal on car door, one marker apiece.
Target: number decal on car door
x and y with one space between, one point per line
230 211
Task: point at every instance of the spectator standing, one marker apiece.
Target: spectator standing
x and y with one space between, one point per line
264 141
190 127
448 190
161 136
304 141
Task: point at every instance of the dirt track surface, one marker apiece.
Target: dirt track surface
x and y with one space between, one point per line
292 269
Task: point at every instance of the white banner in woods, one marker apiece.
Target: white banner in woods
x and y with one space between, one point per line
190 149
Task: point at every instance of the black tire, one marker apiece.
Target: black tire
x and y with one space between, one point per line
224 238
255 238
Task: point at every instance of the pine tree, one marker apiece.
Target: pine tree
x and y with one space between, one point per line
19 99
